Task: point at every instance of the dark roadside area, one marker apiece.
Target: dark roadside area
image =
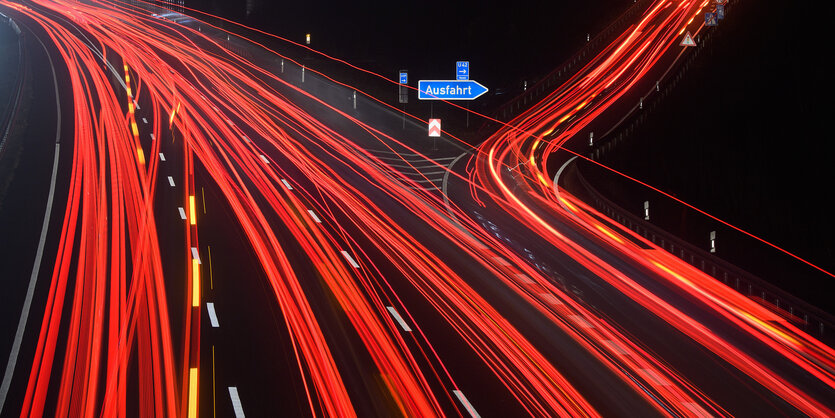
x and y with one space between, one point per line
743 136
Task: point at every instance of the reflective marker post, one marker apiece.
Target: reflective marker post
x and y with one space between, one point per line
713 241
646 210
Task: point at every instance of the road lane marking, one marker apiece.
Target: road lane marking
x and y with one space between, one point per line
399 319
287 185
313 215
171 181
350 259
467 405
195 255
210 308
145 121
502 261
153 137
182 213
696 409
524 278
264 159
654 376
550 299
245 138
236 402
614 346
161 157
580 321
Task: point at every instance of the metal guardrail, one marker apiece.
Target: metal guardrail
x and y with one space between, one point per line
810 318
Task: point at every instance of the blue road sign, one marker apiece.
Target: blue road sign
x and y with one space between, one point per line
404 77
462 70
720 11
449 90
710 19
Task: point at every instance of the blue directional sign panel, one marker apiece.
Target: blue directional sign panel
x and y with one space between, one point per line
404 77
449 90
710 19
720 11
462 70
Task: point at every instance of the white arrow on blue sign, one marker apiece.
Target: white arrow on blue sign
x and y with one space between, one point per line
462 70
450 90
404 77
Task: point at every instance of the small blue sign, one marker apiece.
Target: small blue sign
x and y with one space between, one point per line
462 70
404 77
449 90
710 19
720 11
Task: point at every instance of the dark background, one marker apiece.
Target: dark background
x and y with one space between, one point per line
744 137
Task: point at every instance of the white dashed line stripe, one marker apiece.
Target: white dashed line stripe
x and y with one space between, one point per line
236 402
350 259
264 159
210 308
313 215
614 346
145 121
654 376
550 299
467 405
399 319
182 213
286 184
195 255
171 181
161 157
580 321
524 278
502 261
697 410
153 137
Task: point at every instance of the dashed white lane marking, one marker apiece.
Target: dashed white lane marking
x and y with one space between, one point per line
246 138
153 137
350 259
697 410
171 181
654 376
580 321
145 121
210 308
313 215
502 261
236 402
182 213
616 347
524 278
467 405
264 159
399 319
287 185
161 157
195 255
550 299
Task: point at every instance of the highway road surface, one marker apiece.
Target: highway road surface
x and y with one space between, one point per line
224 232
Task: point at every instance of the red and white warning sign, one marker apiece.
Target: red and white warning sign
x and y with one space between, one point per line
688 40
434 127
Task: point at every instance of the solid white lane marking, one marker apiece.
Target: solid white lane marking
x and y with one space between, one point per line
287 185
580 321
195 255
153 137
313 215
161 157
264 159
171 181
654 376
210 308
616 347
467 405
350 259
182 213
550 299
236 402
145 121
524 278
399 319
